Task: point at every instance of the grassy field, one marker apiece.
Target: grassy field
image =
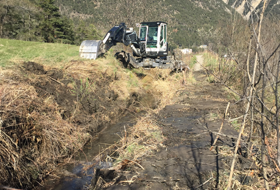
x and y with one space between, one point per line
15 51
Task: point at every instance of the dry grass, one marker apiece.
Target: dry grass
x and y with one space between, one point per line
33 133
190 78
144 137
163 85
126 81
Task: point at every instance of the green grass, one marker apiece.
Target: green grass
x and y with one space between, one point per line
134 148
157 135
211 79
213 116
235 124
13 51
133 80
193 61
210 60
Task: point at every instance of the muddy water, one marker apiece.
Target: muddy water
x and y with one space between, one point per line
75 176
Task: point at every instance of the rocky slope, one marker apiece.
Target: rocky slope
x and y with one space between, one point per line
245 8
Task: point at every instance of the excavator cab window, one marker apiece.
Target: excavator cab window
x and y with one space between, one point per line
143 33
161 36
165 31
153 34
152 37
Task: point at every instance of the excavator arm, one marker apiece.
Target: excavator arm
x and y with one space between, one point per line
92 49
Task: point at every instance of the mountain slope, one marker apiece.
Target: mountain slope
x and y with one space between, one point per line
41 20
191 22
246 7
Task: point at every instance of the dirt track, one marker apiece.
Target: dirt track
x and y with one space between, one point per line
189 125
197 66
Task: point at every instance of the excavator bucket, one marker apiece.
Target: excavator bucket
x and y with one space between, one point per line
90 49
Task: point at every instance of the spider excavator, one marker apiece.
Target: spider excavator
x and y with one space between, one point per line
150 48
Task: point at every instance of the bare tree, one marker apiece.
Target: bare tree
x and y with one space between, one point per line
250 103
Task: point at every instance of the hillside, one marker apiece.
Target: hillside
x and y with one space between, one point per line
241 6
190 22
41 20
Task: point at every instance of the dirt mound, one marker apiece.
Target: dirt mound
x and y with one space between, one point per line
34 68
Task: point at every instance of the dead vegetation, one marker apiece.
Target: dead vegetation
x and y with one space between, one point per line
33 132
253 76
144 137
49 113
44 119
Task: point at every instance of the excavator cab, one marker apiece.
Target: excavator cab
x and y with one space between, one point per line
154 36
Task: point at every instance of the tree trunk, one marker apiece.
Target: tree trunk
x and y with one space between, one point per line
263 131
276 115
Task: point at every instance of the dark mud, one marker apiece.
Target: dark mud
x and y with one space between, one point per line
78 174
190 126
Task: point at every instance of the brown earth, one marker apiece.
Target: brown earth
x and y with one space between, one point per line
184 160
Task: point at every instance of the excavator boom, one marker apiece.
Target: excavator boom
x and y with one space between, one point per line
92 49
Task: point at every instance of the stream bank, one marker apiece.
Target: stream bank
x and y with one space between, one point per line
48 113
182 159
